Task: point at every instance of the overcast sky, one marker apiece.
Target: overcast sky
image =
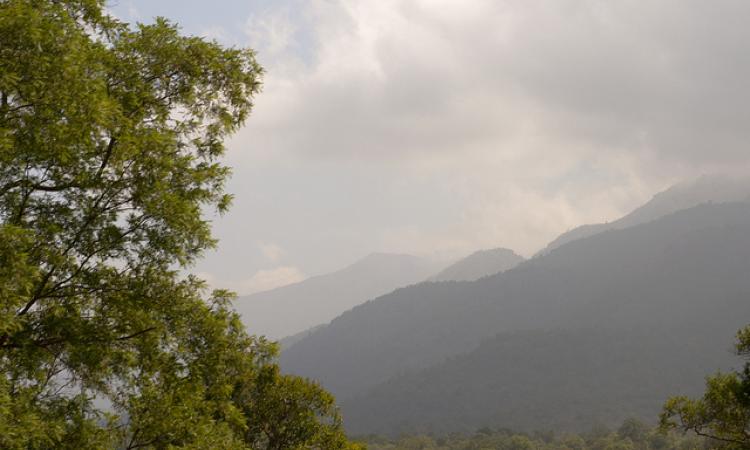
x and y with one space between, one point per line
439 127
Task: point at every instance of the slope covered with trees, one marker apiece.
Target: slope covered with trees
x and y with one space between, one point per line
542 380
632 434
706 189
683 275
480 264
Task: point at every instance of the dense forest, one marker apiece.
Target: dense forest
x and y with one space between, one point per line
630 435
718 420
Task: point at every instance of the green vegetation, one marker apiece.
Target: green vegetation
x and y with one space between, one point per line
720 420
631 435
459 354
110 141
724 411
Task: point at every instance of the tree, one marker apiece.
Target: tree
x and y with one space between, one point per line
284 412
633 429
723 414
110 144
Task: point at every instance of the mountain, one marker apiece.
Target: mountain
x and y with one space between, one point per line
683 277
293 339
543 380
293 309
480 264
706 189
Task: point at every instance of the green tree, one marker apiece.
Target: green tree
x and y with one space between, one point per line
634 430
110 145
503 439
723 414
285 412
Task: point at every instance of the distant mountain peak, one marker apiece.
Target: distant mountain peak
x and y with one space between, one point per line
707 188
480 264
379 257
597 329
294 308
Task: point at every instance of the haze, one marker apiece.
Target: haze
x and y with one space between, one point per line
437 128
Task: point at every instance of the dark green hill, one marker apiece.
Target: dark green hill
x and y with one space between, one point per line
671 271
543 380
684 275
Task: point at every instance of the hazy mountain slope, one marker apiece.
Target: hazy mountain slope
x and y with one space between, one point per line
689 269
480 264
292 309
540 380
715 188
293 339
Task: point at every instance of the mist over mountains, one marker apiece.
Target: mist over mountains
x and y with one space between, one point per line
595 329
480 264
708 188
292 309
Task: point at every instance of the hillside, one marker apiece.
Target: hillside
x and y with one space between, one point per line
480 264
683 273
293 309
706 189
544 380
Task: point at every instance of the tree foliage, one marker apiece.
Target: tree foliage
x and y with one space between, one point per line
723 414
110 143
632 435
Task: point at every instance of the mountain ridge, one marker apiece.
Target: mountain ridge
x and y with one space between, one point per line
676 269
687 194
479 264
292 309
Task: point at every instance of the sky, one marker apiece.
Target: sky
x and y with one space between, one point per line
441 127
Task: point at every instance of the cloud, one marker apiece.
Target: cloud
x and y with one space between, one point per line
271 251
264 280
412 126
401 78
273 31
216 33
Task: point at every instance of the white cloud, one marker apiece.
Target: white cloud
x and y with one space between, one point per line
398 78
217 33
412 126
264 280
271 251
272 34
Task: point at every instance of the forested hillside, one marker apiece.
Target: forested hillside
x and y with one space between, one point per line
631 434
543 380
480 264
682 276
706 189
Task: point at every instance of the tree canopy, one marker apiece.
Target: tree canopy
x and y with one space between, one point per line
111 138
723 414
631 435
